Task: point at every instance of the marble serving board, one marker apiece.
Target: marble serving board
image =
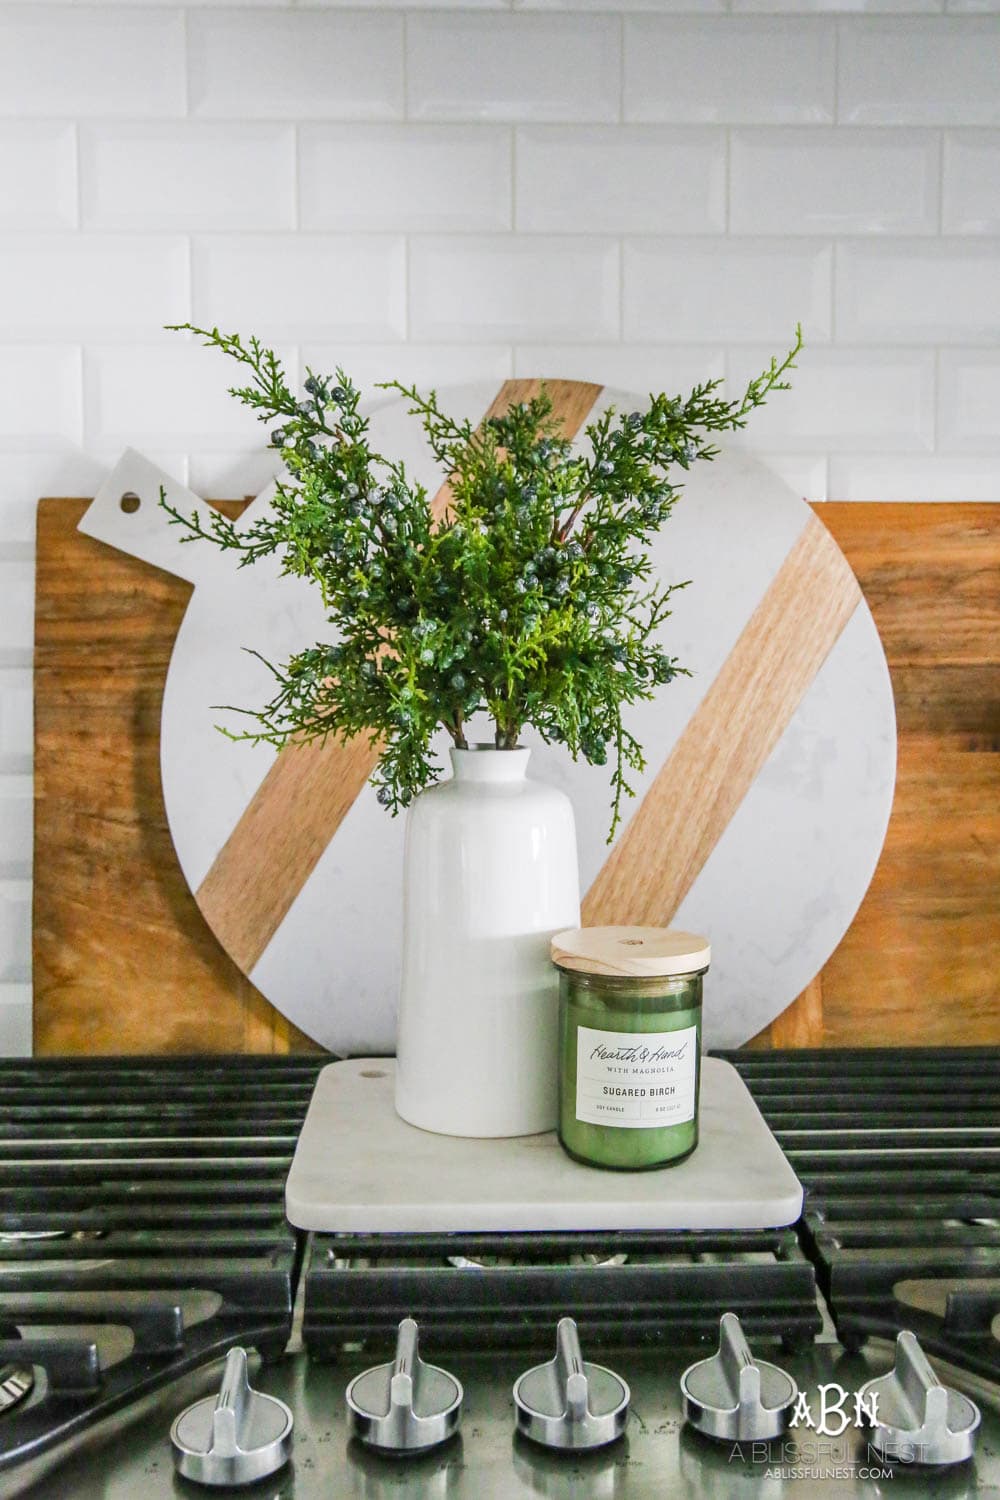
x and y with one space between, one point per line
758 819
358 1168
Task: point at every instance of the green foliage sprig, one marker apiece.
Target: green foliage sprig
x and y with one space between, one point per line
532 598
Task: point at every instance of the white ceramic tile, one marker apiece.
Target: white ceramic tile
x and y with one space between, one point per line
676 7
37 175
428 366
15 1020
79 286
90 62
642 368
738 290
842 400
829 7
15 931
514 288
302 65
805 473
788 181
972 7
15 825
513 67
969 400
15 719
231 476
189 175
971 187
916 71
441 5
39 395
902 477
429 177
306 286
915 292
640 179
151 395
729 70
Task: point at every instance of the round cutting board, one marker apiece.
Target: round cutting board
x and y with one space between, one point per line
758 820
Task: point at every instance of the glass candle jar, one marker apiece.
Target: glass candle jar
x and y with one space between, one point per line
629 1044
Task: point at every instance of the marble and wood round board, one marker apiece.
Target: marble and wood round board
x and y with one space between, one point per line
758 821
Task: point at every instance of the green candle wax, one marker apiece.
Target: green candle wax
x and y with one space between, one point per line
629 1066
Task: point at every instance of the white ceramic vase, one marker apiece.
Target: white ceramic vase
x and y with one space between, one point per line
490 874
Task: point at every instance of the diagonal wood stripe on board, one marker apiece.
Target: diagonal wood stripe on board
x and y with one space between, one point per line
312 786
729 737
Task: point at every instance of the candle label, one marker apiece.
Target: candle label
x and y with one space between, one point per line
639 1079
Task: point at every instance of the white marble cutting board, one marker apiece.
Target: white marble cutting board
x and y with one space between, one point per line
775 895
359 1168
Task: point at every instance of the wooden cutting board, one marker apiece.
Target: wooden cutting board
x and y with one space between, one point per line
124 961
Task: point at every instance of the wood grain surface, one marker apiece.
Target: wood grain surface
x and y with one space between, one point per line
124 961
920 964
728 738
312 785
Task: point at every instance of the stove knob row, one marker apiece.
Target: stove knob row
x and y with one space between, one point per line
408 1406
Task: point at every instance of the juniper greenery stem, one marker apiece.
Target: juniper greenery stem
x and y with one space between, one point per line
533 599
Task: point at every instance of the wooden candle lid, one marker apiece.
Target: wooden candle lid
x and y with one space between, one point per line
639 952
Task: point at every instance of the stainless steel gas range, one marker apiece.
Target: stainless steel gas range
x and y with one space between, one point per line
142 1236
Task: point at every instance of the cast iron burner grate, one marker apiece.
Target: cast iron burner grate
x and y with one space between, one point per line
507 1291
142 1229
899 1155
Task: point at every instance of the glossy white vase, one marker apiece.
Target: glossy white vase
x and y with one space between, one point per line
491 873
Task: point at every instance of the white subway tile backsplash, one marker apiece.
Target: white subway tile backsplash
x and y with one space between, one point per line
915 292
842 400
729 70
513 67
15 932
687 7
969 400
301 286
971 186
154 395
15 720
399 177
190 175
231 476
296 65
936 476
39 395
806 474
514 288
693 290
93 61
15 827
919 71
638 179
639 368
840 181
37 174
15 1020
428 366
17 590
91 286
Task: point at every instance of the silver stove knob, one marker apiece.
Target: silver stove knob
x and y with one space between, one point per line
406 1406
568 1403
917 1419
733 1396
235 1437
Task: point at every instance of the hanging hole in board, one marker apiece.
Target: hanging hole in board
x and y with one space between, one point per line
130 502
